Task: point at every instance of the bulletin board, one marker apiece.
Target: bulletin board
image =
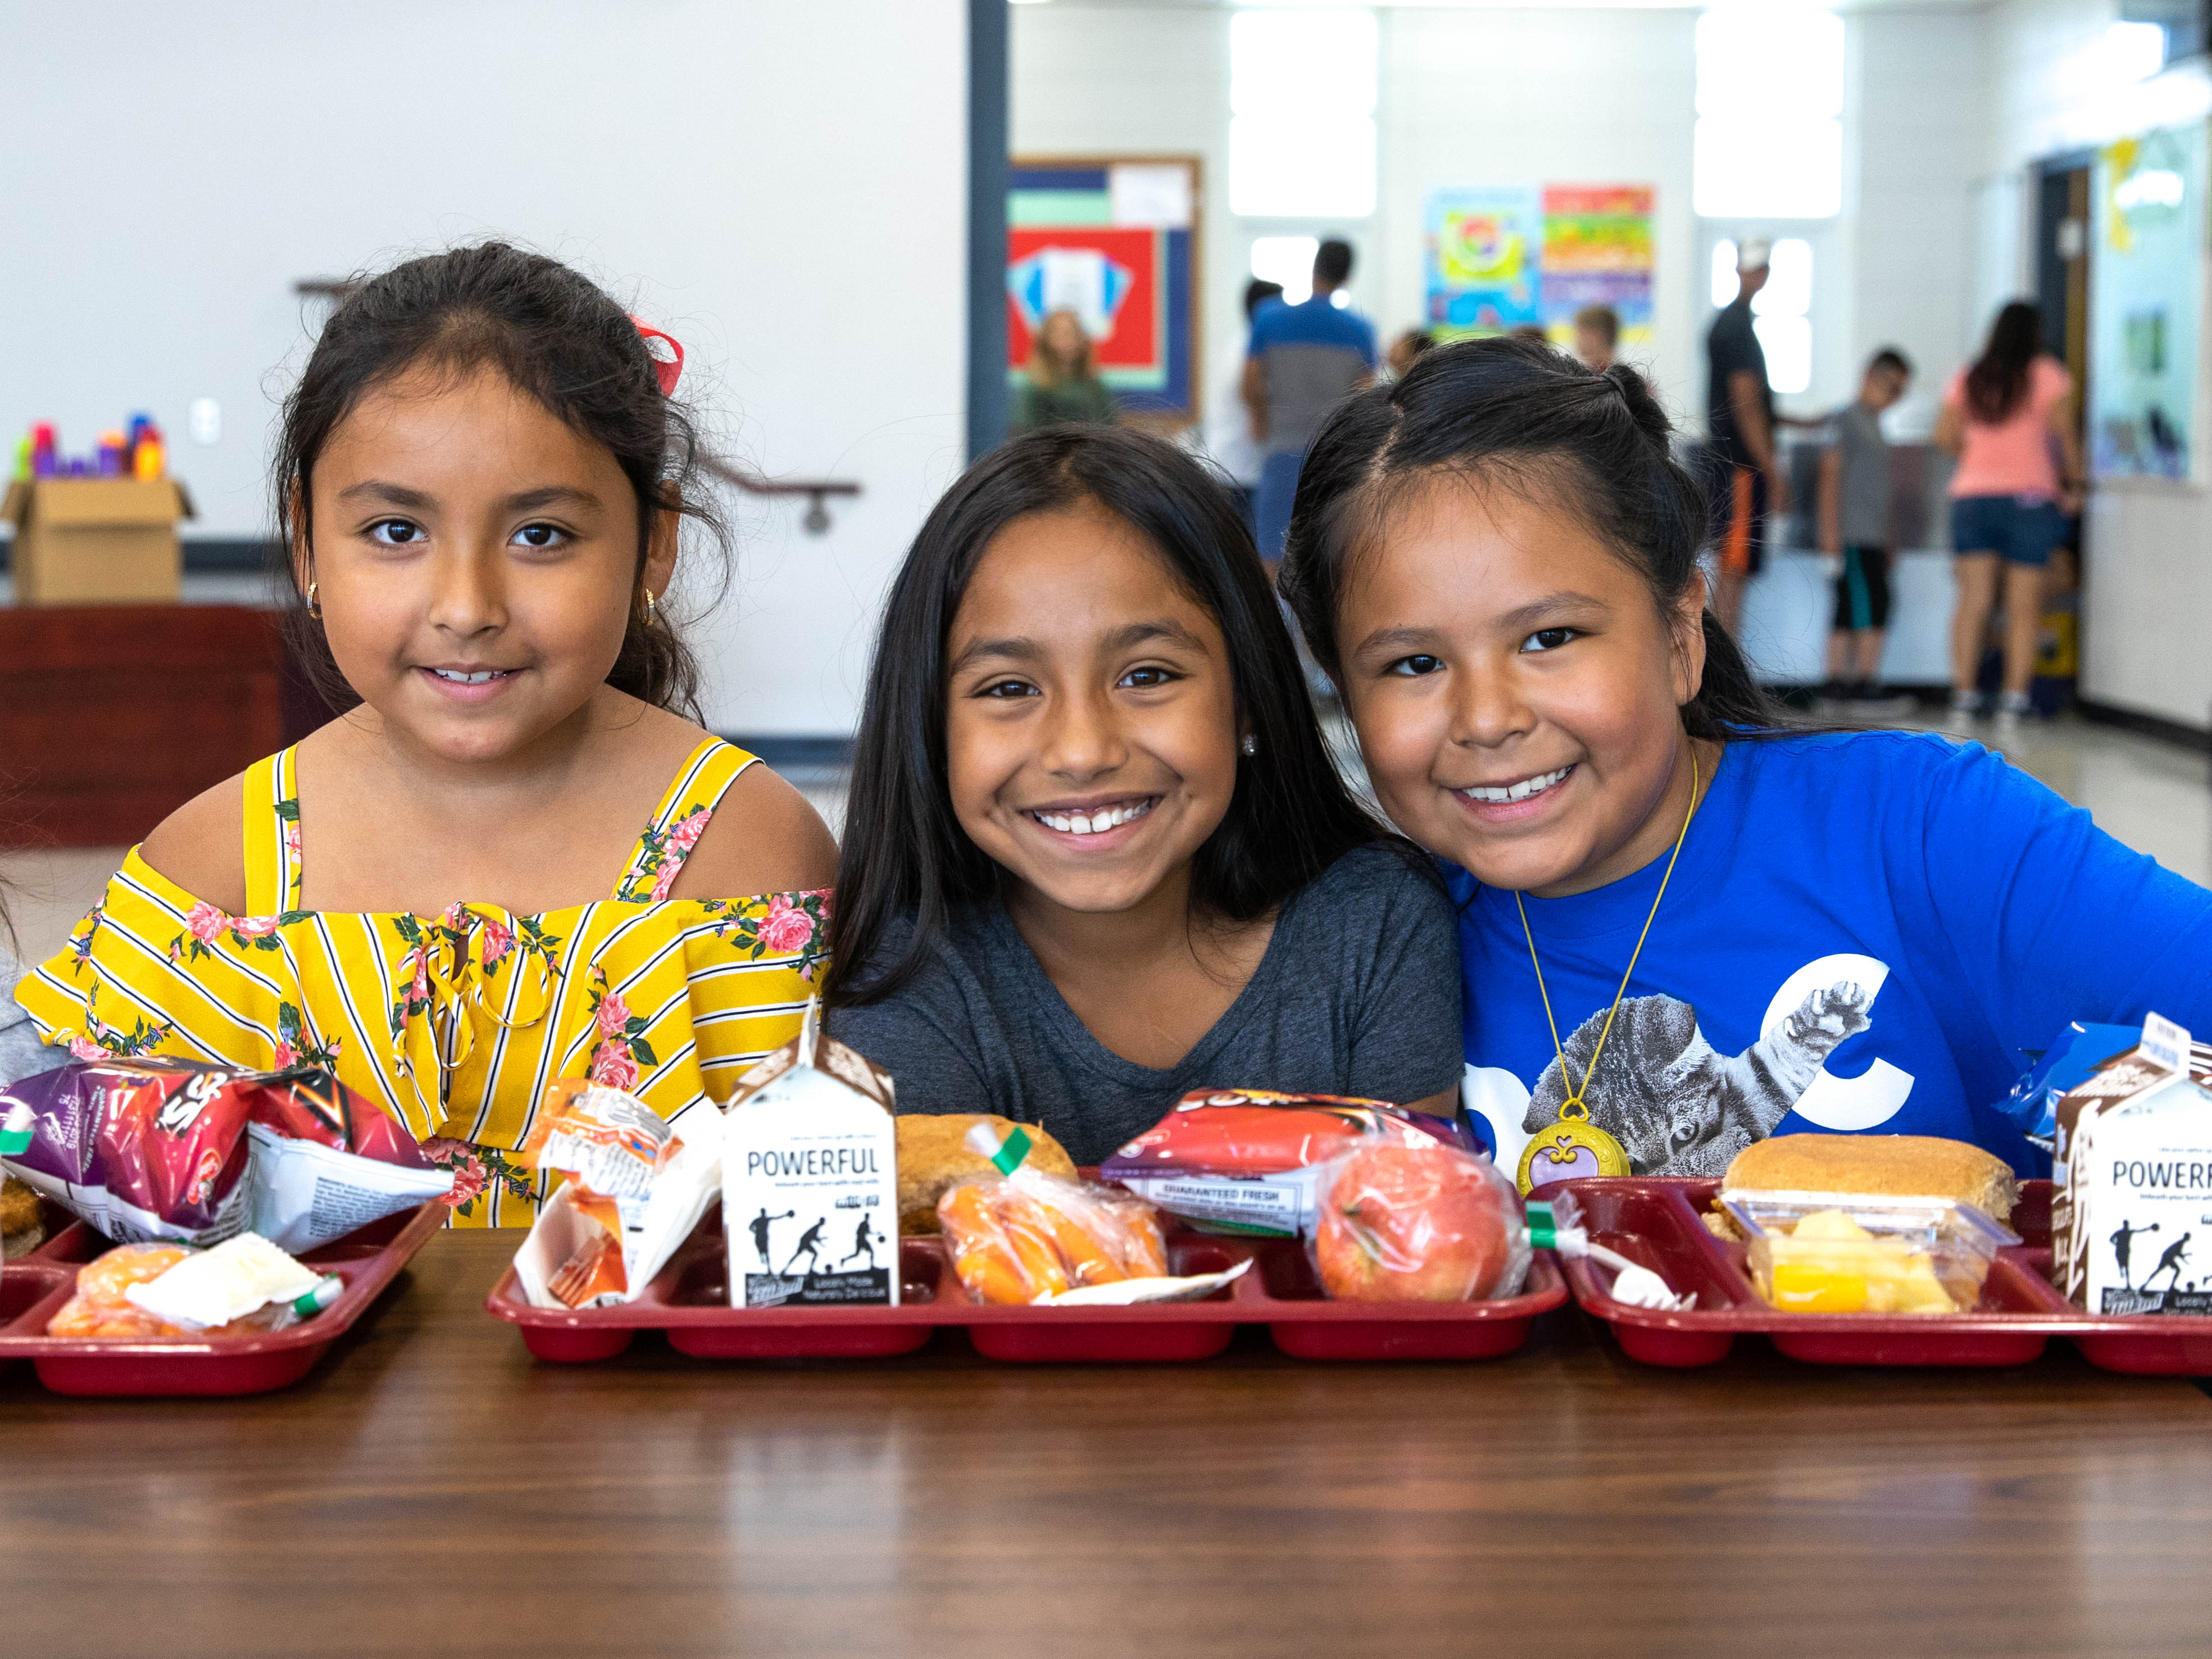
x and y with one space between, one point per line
2146 304
1500 256
1116 240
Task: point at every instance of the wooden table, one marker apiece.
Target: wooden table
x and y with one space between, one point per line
430 1490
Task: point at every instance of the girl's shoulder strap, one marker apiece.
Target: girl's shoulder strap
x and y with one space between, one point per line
681 818
273 873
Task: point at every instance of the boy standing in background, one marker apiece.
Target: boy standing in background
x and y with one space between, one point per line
1854 520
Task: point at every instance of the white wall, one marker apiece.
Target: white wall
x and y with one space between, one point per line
2147 578
781 186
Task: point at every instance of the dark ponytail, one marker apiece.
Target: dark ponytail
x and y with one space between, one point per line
1518 413
554 334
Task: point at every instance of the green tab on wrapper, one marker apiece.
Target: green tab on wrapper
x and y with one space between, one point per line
1013 1150
15 1133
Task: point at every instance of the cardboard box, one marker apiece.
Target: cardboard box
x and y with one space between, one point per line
97 541
809 1178
2131 1219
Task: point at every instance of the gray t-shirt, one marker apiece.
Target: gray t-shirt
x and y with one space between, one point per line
1865 484
1358 994
21 1054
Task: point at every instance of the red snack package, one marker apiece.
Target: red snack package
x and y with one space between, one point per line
170 1148
1398 1222
1241 1160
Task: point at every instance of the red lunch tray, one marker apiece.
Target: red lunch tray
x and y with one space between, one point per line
689 1301
33 1288
1654 1221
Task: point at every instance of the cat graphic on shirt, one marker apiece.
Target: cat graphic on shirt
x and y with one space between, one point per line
1676 1104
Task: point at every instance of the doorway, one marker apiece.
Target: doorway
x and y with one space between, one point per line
2062 234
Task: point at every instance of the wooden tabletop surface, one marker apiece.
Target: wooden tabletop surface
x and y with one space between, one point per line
429 1489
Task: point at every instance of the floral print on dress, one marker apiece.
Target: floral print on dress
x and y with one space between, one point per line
620 1049
100 1040
288 816
792 924
296 1046
207 926
474 1169
82 937
660 857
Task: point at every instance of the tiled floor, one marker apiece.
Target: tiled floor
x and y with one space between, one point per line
2151 795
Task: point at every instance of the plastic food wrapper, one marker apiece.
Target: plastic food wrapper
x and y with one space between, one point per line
637 1185
1027 1237
1243 1160
240 1276
170 1148
1865 1253
128 1292
2076 1055
1401 1222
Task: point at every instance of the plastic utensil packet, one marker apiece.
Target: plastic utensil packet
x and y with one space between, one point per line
240 1276
158 1148
1556 1224
1130 1292
1242 1160
637 1185
1028 1237
1394 1222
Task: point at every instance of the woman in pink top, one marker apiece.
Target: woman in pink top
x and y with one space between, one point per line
2009 504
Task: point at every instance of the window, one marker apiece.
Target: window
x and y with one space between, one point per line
1288 260
1302 113
1770 133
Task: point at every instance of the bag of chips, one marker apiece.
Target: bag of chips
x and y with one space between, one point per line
1242 1160
172 1149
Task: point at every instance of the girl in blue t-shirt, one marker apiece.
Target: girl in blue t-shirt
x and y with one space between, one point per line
1683 926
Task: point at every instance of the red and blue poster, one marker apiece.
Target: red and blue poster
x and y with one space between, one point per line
1128 284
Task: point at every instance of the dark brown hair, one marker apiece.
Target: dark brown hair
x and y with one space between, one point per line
906 861
1998 379
556 336
1518 413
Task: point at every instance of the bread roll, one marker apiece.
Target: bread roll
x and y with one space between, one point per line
933 1157
1895 1166
22 1221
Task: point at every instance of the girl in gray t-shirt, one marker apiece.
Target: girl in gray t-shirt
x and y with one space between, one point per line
1096 854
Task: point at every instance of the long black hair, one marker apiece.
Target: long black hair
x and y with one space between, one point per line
559 337
1998 379
1517 412
906 859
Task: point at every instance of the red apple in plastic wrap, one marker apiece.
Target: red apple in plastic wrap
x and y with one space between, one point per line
1413 1223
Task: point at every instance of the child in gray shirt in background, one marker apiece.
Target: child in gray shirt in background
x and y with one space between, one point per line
1854 521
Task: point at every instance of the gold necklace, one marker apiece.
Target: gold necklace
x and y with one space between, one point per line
1576 1134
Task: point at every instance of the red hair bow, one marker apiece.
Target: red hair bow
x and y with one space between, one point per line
666 370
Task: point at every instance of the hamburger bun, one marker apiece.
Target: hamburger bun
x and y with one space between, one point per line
22 1219
934 1157
1894 1166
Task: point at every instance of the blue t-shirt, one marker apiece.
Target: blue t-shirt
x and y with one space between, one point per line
1871 931
1315 355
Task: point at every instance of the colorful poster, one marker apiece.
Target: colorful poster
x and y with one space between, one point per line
1597 250
1485 247
1505 256
1112 243
2145 300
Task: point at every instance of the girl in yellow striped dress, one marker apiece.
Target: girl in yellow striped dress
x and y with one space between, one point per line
516 857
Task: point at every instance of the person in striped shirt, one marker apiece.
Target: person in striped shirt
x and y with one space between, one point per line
516 856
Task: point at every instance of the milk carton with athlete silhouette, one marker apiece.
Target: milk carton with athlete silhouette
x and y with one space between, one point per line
810 1179
2131 1219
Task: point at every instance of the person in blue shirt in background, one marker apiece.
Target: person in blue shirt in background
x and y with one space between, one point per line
1304 358
1683 923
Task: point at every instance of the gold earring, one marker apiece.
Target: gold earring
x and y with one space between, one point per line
313 609
649 608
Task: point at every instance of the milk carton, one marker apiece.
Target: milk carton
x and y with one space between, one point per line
2131 1217
810 1179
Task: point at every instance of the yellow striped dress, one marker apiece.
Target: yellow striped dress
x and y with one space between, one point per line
455 1022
